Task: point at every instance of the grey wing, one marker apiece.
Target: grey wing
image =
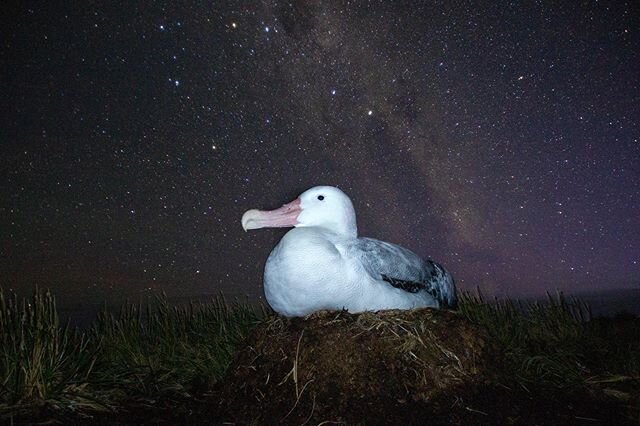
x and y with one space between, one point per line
404 269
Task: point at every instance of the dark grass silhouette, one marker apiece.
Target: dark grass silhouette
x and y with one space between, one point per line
504 361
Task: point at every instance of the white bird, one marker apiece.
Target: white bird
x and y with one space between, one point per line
321 264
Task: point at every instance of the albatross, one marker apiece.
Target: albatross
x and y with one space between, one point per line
321 264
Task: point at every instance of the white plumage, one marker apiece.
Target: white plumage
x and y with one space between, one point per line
321 264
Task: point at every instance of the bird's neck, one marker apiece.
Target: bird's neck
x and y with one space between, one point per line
331 232
349 231
344 229
348 227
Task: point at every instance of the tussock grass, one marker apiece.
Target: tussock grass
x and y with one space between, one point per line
145 354
156 350
41 362
154 353
558 343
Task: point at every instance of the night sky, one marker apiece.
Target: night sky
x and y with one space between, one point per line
501 139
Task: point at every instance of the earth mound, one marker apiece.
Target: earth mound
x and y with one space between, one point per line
384 367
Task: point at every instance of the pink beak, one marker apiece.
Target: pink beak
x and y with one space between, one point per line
286 215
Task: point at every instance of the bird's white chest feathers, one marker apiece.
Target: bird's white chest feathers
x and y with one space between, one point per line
305 273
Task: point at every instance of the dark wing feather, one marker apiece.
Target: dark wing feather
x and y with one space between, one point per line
404 269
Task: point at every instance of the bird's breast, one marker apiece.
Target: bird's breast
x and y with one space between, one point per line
303 257
303 273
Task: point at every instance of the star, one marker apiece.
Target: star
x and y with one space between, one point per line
463 156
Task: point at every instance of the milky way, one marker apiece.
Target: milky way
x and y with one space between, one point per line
500 139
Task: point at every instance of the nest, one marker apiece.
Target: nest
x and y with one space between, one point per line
382 367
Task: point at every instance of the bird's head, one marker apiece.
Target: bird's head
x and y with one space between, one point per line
321 206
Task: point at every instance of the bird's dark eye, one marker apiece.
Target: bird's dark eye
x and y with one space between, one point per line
320 197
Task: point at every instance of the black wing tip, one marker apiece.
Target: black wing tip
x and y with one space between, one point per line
451 303
408 286
450 297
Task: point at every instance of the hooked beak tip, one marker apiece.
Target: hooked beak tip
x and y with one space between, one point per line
246 218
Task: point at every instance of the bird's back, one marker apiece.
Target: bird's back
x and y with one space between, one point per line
404 269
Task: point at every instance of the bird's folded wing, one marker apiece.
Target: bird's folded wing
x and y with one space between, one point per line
403 269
